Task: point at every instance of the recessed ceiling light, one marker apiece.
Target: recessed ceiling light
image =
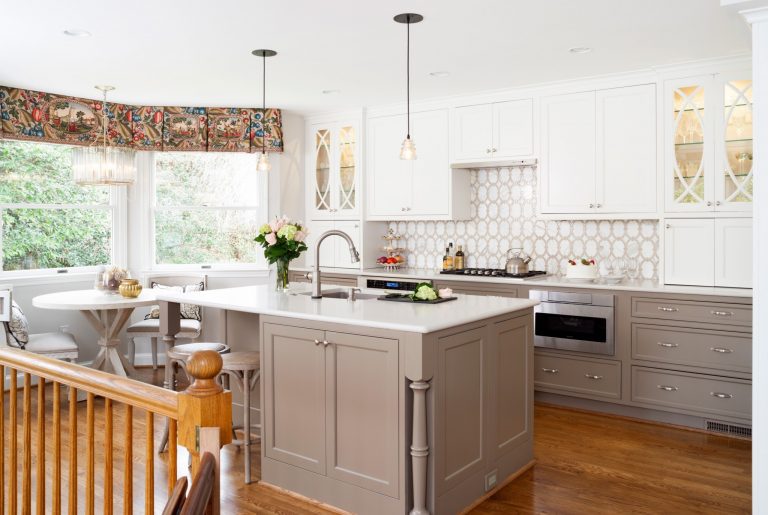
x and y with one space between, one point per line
77 33
440 74
331 91
580 50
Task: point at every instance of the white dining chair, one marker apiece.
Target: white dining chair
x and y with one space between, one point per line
58 345
190 329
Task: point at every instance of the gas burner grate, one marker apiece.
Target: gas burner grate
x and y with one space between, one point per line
491 272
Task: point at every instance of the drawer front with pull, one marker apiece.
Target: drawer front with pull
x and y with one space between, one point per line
693 347
692 392
710 312
587 377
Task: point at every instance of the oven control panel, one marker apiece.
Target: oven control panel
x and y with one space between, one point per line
385 284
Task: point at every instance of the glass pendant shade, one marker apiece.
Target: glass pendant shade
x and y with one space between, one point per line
264 165
408 150
103 166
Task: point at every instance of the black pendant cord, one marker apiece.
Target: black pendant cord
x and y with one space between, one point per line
408 77
263 102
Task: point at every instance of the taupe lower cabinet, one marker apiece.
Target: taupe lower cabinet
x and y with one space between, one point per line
332 399
380 421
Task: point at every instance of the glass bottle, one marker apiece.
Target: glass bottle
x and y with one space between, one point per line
458 260
447 260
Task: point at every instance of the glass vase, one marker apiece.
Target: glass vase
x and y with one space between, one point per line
281 276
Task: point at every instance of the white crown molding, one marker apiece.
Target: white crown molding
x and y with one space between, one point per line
758 15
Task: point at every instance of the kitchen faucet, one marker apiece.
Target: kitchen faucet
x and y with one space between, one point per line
315 276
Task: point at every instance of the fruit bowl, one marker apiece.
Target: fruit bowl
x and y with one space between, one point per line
390 266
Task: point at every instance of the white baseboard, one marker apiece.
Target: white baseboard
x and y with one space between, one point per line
145 359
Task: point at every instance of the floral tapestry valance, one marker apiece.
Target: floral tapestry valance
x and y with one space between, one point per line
35 116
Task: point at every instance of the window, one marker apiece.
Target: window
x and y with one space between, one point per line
47 221
207 209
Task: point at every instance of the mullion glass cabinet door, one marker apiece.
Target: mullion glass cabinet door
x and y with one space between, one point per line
689 130
347 170
736 180
322 171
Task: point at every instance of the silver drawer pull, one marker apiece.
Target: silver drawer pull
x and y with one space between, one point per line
721 350
722 313
666 309
721 395
590 376
667 345
550 370
667 388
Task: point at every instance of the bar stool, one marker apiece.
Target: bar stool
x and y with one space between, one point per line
244 370
178 355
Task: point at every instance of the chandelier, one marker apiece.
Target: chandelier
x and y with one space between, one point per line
101 164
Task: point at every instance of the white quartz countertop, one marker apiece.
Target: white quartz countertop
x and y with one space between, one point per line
548 281
399 316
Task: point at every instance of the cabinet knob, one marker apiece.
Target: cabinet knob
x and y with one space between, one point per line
709 203
487 150
326 343
668 226
493 150
318 342
718 203
599 206
591 206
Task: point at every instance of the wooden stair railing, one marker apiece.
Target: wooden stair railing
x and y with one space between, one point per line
200 420
200 499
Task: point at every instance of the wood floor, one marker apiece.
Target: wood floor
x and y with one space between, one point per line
586 463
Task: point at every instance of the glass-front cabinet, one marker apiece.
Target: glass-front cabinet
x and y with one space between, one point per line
333 175
709 143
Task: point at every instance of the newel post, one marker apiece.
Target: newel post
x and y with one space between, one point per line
205 413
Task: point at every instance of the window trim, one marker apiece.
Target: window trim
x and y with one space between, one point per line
150 257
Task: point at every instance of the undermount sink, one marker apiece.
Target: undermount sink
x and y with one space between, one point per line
341 294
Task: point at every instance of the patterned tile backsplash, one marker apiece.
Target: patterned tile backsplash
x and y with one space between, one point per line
503 216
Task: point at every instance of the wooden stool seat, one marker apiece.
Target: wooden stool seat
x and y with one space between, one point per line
244 370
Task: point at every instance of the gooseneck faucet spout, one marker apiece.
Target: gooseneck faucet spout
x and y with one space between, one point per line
316 283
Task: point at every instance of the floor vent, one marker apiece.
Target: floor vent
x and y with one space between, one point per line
729 429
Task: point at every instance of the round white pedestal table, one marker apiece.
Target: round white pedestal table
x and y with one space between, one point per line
107 314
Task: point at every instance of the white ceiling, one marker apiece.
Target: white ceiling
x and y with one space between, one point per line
198 52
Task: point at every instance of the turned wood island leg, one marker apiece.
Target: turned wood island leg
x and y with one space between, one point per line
419 448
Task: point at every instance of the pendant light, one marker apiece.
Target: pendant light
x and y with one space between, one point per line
264 164
102 164
408 150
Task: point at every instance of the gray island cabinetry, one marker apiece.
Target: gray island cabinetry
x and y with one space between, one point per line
383 407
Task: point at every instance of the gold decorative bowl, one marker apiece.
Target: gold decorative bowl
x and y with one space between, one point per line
130 288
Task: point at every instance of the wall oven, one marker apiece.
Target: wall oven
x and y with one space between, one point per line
580 322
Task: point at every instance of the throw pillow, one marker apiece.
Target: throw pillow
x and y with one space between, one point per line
189 311
18 327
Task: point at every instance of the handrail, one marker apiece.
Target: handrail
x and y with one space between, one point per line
120 389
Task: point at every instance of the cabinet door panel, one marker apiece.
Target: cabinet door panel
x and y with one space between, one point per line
626 149
431 177
342 257
294 396
733 252
734 151
319 171
472 135
362 411
689 249
568 153
389 177
347 173
513 129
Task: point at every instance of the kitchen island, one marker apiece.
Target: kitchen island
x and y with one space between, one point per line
384 407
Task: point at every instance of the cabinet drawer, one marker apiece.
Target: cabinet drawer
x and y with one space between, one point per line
693 347
583 376
692 392
712 312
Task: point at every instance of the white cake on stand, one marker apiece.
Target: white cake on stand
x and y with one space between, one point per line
583 270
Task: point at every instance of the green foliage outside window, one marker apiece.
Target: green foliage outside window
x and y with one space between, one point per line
53 237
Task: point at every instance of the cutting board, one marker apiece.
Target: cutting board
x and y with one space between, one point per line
394 297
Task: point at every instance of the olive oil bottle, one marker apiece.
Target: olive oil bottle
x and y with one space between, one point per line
458 260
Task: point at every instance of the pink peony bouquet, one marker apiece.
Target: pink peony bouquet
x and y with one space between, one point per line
282 239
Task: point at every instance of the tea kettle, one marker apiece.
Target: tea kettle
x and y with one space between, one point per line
517 264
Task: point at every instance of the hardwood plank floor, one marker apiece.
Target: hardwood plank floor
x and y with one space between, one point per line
587 463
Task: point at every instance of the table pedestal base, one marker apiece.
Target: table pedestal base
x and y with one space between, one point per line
108 323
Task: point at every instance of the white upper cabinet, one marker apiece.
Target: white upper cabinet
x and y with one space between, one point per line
567 178
493 132
626 150
598 154
333 170
708 144
708 252
423 189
